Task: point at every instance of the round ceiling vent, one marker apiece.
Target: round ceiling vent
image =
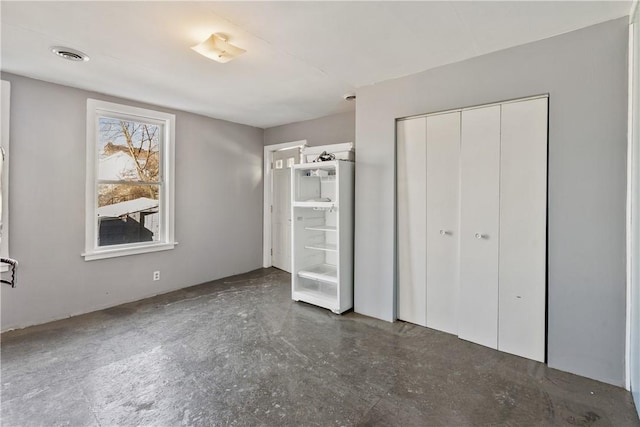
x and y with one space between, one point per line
70 54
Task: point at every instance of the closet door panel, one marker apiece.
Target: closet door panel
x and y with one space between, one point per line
411 220
480 188
443 179
523 213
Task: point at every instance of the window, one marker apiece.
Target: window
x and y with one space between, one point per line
130 191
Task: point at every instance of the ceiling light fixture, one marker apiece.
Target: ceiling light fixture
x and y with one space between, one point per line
217 47
70 54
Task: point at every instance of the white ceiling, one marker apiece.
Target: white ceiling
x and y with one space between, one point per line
301 56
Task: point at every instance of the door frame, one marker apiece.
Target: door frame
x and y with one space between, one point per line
268 195
633 202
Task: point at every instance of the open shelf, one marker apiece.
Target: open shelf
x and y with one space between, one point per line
329 247
322 234
322 178
325 205
323 272
322 228
318 298
314 184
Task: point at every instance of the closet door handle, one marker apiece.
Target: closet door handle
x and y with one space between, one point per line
444 232
481 236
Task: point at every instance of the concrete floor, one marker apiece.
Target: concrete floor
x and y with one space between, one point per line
239 351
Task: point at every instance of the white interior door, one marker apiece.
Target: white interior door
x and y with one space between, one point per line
443 193
412 218
479 219
283 160
523 222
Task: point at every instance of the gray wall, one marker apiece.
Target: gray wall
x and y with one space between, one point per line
332 129
218 208
585 73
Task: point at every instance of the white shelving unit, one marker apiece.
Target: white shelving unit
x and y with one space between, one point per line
322 234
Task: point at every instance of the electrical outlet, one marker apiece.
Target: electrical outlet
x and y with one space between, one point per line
156 275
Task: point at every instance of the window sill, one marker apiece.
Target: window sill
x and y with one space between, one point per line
126 251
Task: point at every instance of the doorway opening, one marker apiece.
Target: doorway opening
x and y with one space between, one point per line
278 160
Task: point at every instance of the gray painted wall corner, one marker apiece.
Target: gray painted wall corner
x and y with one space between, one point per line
585 74
332 129
218 208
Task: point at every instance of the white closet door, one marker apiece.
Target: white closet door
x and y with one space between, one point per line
523 213
479 216
443 179
412 214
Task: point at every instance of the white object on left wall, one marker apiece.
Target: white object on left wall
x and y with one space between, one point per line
5 94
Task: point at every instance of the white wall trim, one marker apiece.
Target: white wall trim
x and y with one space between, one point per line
266 209
5 100
474 107
633 209
630 211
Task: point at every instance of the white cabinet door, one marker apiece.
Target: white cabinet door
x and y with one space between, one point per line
443 178
479 217
523 203
411 219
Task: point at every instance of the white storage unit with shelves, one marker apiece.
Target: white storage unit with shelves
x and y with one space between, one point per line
322 234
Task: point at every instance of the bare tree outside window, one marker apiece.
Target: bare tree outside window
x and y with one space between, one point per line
130 189
128 181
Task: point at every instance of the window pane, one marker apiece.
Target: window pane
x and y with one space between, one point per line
128 150
128 214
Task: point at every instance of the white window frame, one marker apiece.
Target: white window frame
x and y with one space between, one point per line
96 109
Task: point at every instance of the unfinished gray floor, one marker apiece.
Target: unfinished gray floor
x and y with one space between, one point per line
239 351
